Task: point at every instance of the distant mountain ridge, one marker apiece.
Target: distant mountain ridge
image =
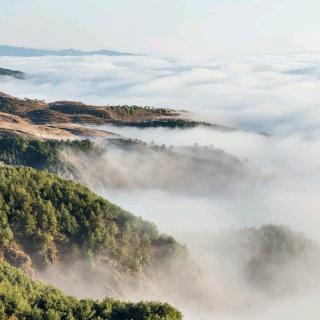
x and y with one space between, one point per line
12 73
33 52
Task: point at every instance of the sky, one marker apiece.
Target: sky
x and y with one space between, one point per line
195 28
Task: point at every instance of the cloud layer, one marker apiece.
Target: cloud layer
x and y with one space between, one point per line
277 94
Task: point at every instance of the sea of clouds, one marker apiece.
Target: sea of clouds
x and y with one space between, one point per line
273 94
276 94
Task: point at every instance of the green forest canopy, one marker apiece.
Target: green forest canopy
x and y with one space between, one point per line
42 154
24 299
54 219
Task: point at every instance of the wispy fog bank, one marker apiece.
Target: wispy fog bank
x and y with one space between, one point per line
204 196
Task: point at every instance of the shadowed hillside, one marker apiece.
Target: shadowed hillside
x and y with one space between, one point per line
12 73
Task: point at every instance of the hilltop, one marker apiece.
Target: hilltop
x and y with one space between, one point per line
71 118
32 52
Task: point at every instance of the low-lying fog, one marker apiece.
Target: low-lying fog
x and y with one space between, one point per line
276 181
196 193
203 197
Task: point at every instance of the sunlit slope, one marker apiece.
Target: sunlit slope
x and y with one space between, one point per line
62 112
45 220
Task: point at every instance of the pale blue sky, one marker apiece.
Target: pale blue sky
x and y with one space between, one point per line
170 27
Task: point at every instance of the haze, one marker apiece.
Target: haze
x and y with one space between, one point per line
250 65
189 28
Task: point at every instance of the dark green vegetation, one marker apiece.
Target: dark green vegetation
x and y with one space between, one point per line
74 108
11 73
21 298
172 124
50 219
42 154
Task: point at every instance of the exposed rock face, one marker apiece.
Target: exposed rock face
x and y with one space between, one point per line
14 255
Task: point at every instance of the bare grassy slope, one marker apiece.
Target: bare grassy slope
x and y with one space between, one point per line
39 112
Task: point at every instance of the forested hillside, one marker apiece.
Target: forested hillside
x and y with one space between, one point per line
47 221
42 154
23 298
51 219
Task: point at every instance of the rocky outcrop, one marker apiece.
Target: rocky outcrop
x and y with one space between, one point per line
14 255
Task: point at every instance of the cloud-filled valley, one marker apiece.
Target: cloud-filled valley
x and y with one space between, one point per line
274 94
205 183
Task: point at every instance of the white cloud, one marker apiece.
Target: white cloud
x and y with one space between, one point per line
277 94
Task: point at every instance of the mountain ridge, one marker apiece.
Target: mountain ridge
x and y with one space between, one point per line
70 113
12 51
12 73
